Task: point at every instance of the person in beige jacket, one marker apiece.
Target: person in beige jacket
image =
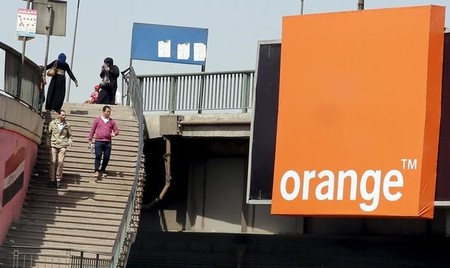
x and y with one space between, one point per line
60 136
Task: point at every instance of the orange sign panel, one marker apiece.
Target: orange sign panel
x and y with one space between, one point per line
359 113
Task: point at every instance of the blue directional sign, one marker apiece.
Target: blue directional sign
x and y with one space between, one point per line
168 43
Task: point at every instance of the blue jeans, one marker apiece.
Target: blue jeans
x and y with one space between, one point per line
102 148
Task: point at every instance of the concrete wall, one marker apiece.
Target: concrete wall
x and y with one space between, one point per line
20 134
208 195
210 157
20 119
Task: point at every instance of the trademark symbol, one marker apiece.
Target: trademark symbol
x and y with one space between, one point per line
409 164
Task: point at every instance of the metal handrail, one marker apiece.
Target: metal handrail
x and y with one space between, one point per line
22 81
198 92
134 99
22 256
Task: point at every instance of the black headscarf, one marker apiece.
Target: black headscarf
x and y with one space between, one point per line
109 61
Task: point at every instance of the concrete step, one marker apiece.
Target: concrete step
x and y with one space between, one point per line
81 162
84 153
93 200
48 212
70 233
44 189
85 122
61 205
66 197
70 226
111 212
84 182
87 159
114 167
82 148
117 140
120 144
83 129
48 219
76 177
95 109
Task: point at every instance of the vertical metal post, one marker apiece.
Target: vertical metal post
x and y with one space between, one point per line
22 66
16 258
301 7
360 4
24 42
245 93
173 94
127 94
49 28
96 260
129 82
73 50
81 259
202 89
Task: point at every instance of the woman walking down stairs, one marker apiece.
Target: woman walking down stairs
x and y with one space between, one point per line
81 218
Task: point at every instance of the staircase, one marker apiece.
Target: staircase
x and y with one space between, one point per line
81 219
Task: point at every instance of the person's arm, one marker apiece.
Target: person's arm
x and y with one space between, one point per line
91 133
103 71
95 97
69 71
115 129
50 65
49 134
69 134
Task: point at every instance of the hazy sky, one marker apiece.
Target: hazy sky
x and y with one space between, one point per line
234 28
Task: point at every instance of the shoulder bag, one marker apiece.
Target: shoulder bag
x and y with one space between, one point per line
52 70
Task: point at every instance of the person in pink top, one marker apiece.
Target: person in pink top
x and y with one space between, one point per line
94 96
104 128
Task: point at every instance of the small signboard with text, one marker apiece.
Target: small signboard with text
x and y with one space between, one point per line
26 22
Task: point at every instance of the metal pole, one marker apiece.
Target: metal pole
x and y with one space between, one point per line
22 66
73 49
24 44
81 259
301 7
360 4
202 89
49 30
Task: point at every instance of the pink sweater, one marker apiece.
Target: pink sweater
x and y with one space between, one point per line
103 130
94 96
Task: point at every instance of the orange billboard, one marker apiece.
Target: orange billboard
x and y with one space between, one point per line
359 113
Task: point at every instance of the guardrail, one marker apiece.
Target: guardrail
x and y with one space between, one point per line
20 81
28 257
197 92
129 224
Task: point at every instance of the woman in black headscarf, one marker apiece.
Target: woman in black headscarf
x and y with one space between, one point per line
109 74
57 88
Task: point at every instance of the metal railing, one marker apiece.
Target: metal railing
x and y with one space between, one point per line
197 92
129 224
21 81
28 256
